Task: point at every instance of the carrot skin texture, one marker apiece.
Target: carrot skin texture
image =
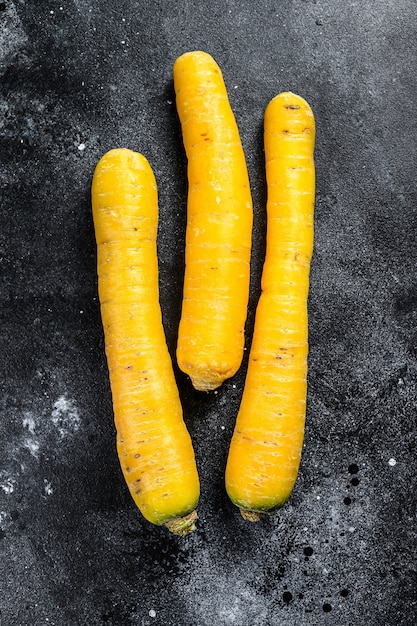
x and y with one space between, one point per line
153 444
265 449
219 226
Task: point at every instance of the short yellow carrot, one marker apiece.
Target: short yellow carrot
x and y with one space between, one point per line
219 226
265 450
153 444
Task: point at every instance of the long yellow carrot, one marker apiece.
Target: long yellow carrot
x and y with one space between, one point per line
153 444
266 446
219 226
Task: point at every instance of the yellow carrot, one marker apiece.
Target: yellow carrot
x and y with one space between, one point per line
219 226
153 444
266 446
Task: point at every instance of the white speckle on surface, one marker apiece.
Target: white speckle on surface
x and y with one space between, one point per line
65 416
7 484
392 462
47 487
222 427
29 423
81 147
31 444
152 613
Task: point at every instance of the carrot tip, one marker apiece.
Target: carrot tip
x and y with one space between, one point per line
200 384
209 380
251 516
182 525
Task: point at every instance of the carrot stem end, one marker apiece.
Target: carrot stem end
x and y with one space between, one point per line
181 526
251 516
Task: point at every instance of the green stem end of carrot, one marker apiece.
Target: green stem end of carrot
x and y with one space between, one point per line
181 526
251 516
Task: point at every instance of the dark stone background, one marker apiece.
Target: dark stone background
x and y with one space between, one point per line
83 76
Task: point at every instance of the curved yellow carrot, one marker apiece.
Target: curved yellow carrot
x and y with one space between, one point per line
266 446
219 226
153 444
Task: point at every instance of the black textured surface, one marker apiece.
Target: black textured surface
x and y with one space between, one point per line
83 76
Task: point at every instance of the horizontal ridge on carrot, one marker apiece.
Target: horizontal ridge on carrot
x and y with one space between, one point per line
153 444
265 450
219 226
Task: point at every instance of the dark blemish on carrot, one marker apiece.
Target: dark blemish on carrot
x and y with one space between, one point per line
137 456
246 438
285 132
307 131
291 106
129 367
